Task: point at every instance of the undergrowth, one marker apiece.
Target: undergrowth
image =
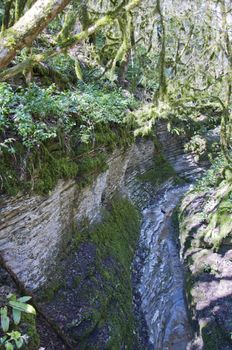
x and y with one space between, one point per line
47 134
216 189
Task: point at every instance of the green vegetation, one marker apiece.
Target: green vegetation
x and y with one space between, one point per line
80 79
117 233
218 183
48 135
160 172
63 107
117 237
14 321
108 302
216 187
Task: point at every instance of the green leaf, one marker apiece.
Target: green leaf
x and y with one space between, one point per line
3 339
14 335
29 309
11 297
9 346
5 321
16 316
3 311
78 70
19 342
24 299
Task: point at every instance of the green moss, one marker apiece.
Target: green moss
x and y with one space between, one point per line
45 168
160 172
89 164
76 281
189 285
53 170
212 336
28 324
8 178
117 236
53 286
115 240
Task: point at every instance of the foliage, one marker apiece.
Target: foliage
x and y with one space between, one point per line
186 114
36 119
11 337
38 114
142 49
197 146
214 174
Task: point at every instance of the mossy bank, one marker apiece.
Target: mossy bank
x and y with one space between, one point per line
92 290
206 241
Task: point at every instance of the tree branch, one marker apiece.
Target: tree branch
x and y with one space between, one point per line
83 35
28 27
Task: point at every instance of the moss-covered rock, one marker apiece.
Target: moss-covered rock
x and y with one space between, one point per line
161 171
28 323
205 235
95 293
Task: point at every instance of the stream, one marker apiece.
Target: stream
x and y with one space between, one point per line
158 276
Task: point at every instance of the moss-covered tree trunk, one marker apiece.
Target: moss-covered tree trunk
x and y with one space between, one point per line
6 17
226 122
28 27
162 89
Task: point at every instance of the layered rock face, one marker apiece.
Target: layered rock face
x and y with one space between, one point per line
206 251
161 282
34 229
183 163
34 232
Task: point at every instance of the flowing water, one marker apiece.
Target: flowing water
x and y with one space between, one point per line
159 280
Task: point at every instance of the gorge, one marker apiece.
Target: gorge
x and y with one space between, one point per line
115 175
73 270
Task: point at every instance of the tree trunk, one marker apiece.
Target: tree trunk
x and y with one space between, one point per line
28 27
6 17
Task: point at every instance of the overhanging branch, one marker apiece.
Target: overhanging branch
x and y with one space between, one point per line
83 35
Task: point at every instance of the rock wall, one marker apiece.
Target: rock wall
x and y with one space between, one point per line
206 251
33 229
183 163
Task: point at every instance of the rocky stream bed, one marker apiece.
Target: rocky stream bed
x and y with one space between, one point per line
159 276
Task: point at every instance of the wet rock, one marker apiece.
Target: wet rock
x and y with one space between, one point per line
160 285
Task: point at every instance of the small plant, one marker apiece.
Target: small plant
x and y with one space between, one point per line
198 146
207 268
10 319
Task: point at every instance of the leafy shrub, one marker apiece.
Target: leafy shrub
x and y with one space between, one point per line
11 337
214 175
37 114
42 130
197 145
